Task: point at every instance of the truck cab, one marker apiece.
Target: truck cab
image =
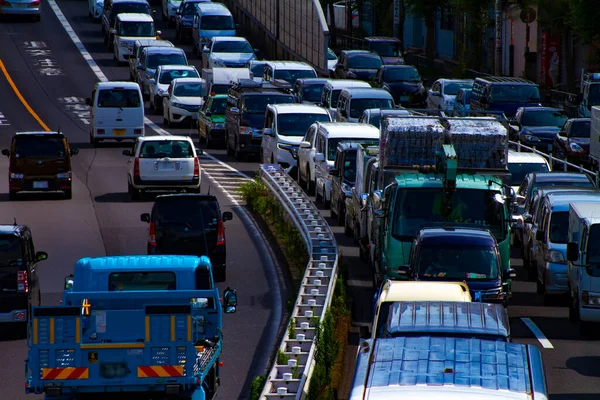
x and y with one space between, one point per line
583 265
451 252
131 324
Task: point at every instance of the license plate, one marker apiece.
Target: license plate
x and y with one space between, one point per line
166 166
119 132
40 184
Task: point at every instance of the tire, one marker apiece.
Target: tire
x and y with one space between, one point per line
318 198
532 271
68 194
227 146
165 121
341 216
134 194
540 287
326 203
94 141
573 308
310 184
236 153
300 181
12 195
209 142
348 231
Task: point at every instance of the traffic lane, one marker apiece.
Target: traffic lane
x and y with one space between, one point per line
248 166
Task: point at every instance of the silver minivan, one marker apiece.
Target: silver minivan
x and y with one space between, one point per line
353 102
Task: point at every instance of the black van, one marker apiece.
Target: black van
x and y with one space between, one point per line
189 224
504 94
19 286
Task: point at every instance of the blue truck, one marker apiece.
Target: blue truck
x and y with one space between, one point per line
142 326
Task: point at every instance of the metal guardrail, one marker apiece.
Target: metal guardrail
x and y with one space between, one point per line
552 160
290 381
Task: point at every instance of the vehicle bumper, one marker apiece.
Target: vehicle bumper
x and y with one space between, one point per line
116 133
555 278
578 158
285 159
180 114
14 316
70 388
20 11
250 143
166 185
35 184
327 194
13 307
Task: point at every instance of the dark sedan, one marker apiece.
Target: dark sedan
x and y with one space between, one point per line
404 83
357 64
537 126
573 141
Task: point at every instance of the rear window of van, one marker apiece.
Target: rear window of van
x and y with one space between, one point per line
119 98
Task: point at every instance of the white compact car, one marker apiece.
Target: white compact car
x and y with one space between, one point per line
285 126
158 87
184 100
443 92
162 163
130 27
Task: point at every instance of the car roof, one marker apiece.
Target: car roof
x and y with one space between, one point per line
445 81
118 84
158 138
7 229
163 50
316 81
152 42
398 66
188 80
563 199
358 52
381 39
350 130
538 109
387 112
229 39
297 109
368 93
137 263
579 119
290 65
210 8
134 17
38 133
454 234
177 67
560 177
203 196
421 291
130 1
525 157
347 83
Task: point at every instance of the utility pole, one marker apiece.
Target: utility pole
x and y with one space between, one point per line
498 52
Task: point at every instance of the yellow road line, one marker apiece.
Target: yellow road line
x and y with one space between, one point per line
22 99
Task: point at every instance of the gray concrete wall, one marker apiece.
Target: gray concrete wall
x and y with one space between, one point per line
285 29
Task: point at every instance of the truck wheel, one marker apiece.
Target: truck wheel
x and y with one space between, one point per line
341 217
347 229
586 328
310 184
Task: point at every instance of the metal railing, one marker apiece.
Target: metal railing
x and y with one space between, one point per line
290 381
552 160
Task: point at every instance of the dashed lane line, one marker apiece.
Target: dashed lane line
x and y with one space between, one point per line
213 177
539 335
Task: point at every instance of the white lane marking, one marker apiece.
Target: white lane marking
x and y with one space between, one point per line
538 333
102 78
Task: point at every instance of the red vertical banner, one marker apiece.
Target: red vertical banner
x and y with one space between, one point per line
550 60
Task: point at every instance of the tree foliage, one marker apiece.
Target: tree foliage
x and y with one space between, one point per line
583 18
427 9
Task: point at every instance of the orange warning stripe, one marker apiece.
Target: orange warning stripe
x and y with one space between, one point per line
64 373
160 371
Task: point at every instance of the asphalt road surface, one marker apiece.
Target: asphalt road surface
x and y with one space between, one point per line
53 79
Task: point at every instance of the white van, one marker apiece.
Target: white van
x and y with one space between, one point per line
285 126
210 20
288 71
117 112
332 90
353 102
128 28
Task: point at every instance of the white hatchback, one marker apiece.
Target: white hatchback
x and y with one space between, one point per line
184 100
128 28
162 163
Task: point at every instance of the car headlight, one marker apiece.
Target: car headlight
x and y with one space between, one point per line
532 138
575 148
556 256
590 299
16 176
246 130
178 105
347 189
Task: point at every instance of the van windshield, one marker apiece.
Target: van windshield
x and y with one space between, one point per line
137 281
364 61
402 74
189 90
544 118
154 60
137 29
312 92
232 46
518 171
298 124
521 94
218 105
119 98
386 49
452 89
580 129
451 262
333 143
257 104
291 76
217 23
136 8
167 76
358 106
559 227
10 249
38 146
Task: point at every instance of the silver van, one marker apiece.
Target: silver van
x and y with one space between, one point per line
333 88
353 102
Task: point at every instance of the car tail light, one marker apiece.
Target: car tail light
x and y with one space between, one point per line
100 131
22 283
220 233
196 167
136 167
34 3
137 131
152 235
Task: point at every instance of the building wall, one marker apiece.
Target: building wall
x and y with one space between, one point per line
415 35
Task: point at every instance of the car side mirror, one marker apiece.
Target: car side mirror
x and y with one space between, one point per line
334 172
377 199
113 31
205 49
540 235
520 200
303 145
41 256
127 153
69 282
145 217
6 152
319 157
74 151
227 216
268 132
572 251
509 273
364 198
229 300
404 270
88 101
